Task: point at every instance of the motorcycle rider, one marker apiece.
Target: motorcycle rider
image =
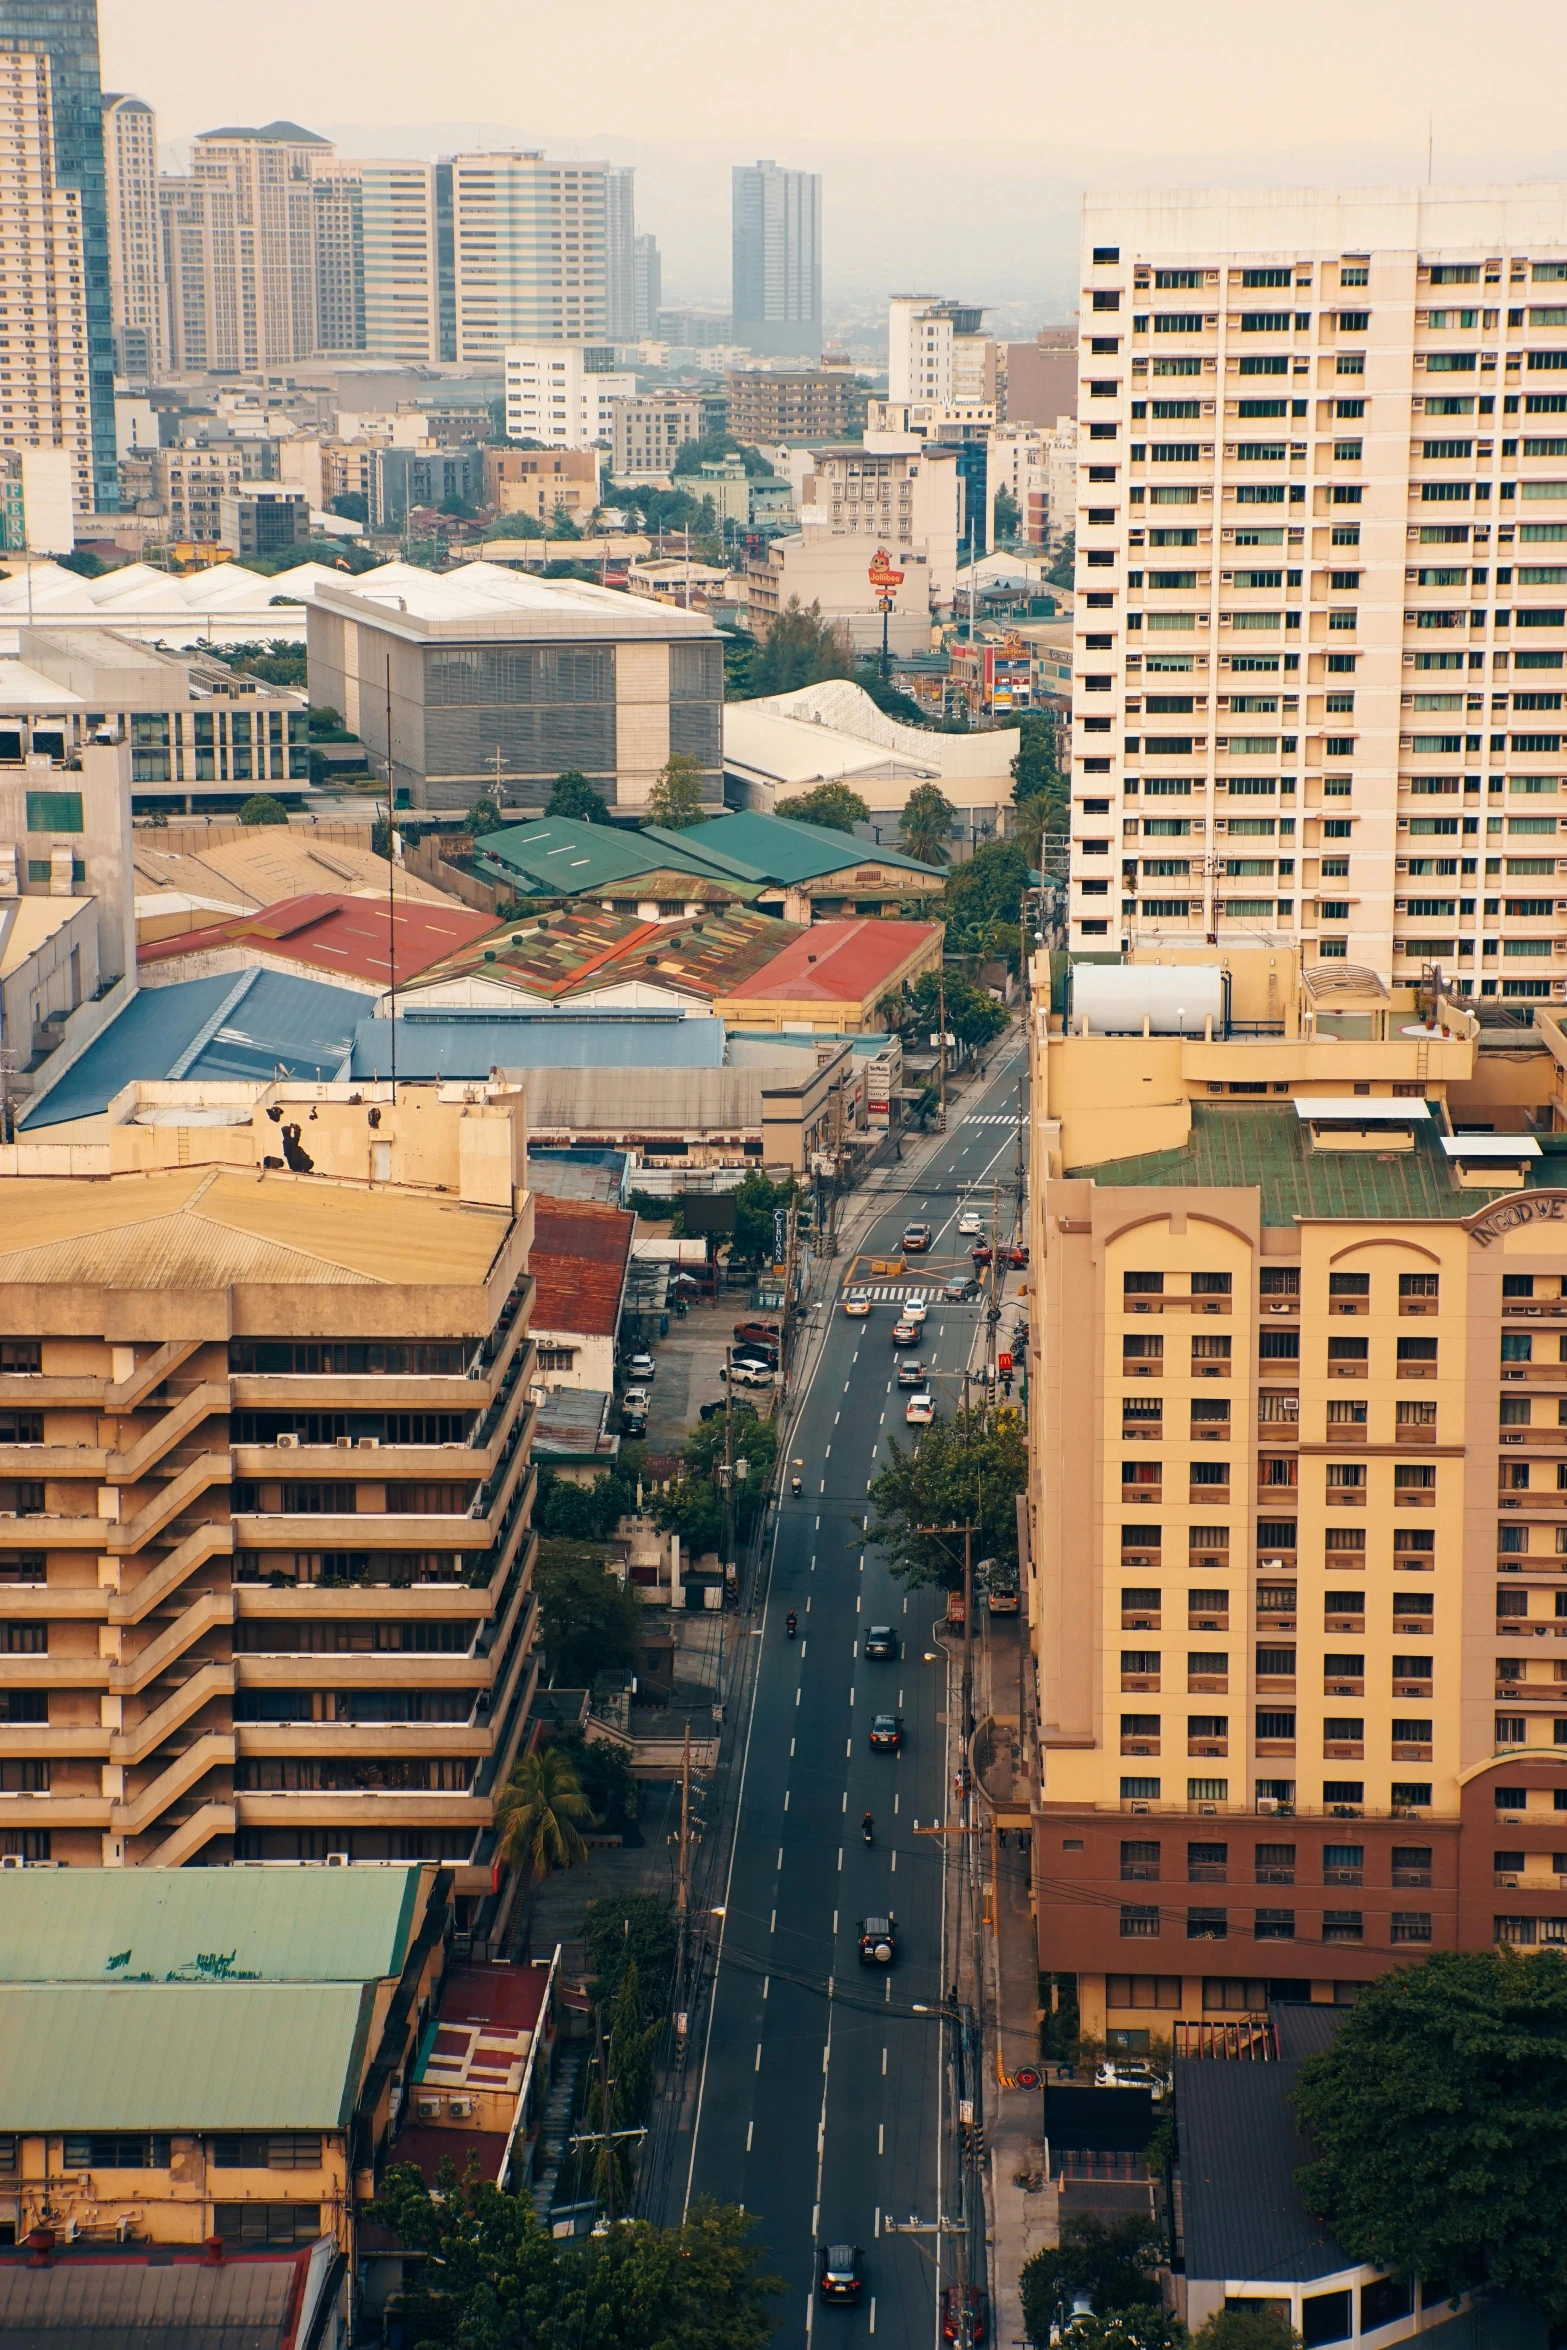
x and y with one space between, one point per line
790 1622
867 1825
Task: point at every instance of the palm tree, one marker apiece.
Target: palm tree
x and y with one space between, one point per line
925 824
540 1814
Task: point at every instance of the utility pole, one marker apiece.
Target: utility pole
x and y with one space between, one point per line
729 1456
968 1530
941 1046
683 1883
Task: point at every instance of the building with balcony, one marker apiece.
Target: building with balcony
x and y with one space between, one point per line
1298 1499
265 1552
1329 427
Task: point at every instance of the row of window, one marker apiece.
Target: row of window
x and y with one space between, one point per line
153 2150
1409 1542
1143 1921
1338 1795
1275 1864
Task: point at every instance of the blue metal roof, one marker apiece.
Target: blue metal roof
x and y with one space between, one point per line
469 1046
253 1025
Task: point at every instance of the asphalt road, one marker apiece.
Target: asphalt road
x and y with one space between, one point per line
819 2101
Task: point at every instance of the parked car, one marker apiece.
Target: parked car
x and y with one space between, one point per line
762 1357
749 1375
633 1420
916 1239
905 1332
970 1226
887 1732
881 1644
857 1307
1129 2072
635 1399
767 1333
878 1941
642 1367
911 1374
920 1410
953 2326
838 2272
1013 1253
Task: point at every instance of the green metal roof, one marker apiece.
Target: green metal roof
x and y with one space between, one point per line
175 2056
1267 1148
754 847
277 1925
556 857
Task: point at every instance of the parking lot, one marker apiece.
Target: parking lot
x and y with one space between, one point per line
689 1361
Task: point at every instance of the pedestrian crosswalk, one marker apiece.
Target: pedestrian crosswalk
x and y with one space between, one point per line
989 1118
892 1291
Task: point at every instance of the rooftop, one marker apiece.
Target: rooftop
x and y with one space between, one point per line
1243 2218
200 1229
838 962
576 953
171 2299
578 1260
561 858
257 1024
182 2056
466 1044
356 938
570 1423
148 1925
489 600
845 710
481 2034
1267 1147
754 847
579 1175
262 868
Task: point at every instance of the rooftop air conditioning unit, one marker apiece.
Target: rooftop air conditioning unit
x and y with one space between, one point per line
288 1443
1506 1879
428 2108
460 2108
1207 1809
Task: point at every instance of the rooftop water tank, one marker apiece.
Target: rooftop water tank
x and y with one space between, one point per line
1175 1000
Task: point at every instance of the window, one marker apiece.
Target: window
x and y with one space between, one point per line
1274 1925
117 2153
286 2150
1341 1925
1140 1791
54 811
269 2223
1139 1920
1207 1925
1140 1860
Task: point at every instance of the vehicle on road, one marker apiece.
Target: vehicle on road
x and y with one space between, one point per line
911 1374
958 1290
881 1644
916 1239
959 2325
878 1940
970 1226
838 2272
887 1731
765 1333
905 1333
1013 1253
914 1310
997 1578
857 1306
642 1366
981 1252
749 1375
791 1624
635 1399
920 1410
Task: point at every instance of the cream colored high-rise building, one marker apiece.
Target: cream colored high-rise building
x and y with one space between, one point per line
44 388
529 253
241 242
1298 1484
1322 572
406 205
130 160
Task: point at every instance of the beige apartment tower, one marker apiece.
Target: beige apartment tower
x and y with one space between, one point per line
1322 579
265 1493
43 370
130 159
1298 1507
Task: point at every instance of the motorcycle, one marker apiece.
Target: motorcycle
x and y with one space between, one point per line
794 1487
867 1828
790 1622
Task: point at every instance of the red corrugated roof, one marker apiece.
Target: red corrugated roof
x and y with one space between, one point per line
330 932
839 962
579 1258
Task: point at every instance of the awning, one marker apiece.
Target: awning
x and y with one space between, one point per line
1490 1146
1359 1110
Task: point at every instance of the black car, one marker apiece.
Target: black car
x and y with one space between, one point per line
887 1731
911 1374
838 2272
881 1643
878 1941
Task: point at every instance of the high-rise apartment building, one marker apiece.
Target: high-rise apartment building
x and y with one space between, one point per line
777 260
563 394
266 1559
406 212
795 403
337 196
938 357
647 286
187 254
66 32
45 382
1298 1500
130 157
1328 427
648 430
529 253
620 251
241 271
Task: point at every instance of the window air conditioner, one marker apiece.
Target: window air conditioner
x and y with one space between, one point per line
1267 1803
428 2108
337 1860
345 1444
460 2108
369 1443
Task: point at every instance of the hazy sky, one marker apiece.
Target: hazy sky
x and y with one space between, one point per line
955 137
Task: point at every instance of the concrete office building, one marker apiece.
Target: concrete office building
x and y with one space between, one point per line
938 355
563 394
529 253
297 1433
620 245
795 404
647 286
1327 426
66 33
1294 1574
130 156
497 682
1037 381
542 482
46 398
258 521
891 490
648 430
777 260
406 233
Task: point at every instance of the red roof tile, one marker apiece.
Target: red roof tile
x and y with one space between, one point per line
428 2148
580 1250
333 933
839 962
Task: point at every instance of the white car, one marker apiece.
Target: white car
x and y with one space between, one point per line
919 1411
635 1399
749 1375
914 1310
969 1225
642 1367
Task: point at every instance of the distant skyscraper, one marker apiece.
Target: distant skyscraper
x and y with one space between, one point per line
45 396
530 251
130 157
620 237
647 286
337 193
67 33
261 239
778 260
402 259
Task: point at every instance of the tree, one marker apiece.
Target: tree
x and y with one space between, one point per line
589 1622
973 1017
691 456
831 804
1040 792
515 526
694 1504
483 817
801 648
1063 570
83 562
277 662
966 1468
676 797
988 888
540 1814
575 797
741 651
562 524
1439 2114
1143 2328
925 824
693 2287
1008 514
353 506
603 1774
262 808
1114 2265
1246 2329
890 698
633 1929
